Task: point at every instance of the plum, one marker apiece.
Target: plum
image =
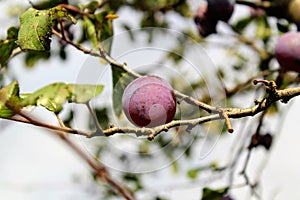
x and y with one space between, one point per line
149 101
207 16
204 25
220 9
287 51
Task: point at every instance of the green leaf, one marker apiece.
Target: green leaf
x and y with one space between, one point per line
32 57
177 54
7 46
104 28
53 96
135 179
99 29
102 117
12 33
92 6
35 30
242 24
36 27
6 49
9 100
120 81
183 9
59 13
193 173
69 118
210 194
45 4
91 32
283 26
263 30
84 93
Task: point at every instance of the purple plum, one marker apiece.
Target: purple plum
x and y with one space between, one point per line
287 51
220 9
204 25
149 101
207 16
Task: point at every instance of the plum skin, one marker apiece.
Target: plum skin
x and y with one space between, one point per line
220 9
205 25
287 51
207 16
149 101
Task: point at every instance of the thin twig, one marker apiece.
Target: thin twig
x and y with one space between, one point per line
73 9
99 131
60 121
227 121
101 172
77 46
250 42
29 120
240 86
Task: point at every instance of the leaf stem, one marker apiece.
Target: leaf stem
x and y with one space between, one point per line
99 131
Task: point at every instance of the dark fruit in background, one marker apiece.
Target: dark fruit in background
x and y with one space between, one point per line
207 16
149 101
287 51
204 25
220 9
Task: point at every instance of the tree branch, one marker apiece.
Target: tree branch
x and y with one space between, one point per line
216 113
240 86
29 120
221 113
101 172
103 54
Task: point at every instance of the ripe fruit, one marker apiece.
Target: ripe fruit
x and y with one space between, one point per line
204 25
287 51
149 101
220 9
207 16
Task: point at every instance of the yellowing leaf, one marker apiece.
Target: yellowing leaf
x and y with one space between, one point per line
53 96
9 100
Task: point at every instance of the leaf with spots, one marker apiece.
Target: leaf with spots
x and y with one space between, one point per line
36 27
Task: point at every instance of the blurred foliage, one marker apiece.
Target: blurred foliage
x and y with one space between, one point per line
32 57
120 80
7 46
209 194
102 117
